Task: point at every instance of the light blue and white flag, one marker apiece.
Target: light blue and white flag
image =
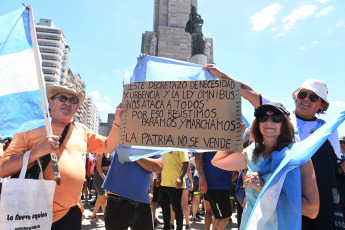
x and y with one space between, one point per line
289 215
20 100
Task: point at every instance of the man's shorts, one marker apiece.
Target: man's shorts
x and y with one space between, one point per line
196 185
220 203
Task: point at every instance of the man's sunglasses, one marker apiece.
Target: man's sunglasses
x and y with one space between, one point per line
342 142
274 117
312 97
63 98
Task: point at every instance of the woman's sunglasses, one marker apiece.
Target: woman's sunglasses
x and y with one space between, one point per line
274 117
312 97
63 98
342 142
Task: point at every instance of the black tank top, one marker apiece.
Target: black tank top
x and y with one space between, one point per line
105 161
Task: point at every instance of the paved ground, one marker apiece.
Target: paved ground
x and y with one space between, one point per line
199 224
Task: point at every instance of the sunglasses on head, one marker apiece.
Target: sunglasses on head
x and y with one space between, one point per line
342 142
312 97
63 98
274 117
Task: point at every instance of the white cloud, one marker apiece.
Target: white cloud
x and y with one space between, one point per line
104 106
324 11
340 23
107 98
314 43
282 34
338 104
330 30
128 74
322 1
296 15
96 94
303 48
265 17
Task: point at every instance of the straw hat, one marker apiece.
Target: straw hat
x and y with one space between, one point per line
65 88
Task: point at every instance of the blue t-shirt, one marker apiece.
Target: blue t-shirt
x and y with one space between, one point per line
216 178
129 180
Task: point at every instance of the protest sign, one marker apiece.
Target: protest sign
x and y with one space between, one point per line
187 114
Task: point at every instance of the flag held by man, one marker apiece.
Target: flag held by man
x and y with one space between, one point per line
20 100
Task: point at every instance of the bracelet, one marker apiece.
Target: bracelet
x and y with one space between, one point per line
116 124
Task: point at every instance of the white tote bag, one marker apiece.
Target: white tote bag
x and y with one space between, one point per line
26 203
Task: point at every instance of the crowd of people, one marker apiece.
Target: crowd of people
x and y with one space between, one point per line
129 192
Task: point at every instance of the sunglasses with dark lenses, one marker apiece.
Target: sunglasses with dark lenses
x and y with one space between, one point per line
312 97
63 98
274 117
342 142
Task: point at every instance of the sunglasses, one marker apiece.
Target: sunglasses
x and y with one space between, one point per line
312 97
63 98
342 142
274 117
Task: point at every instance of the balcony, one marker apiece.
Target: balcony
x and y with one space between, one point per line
50 62
51 77
51 68
48 38
51 43
39 30
50 47
52 83
52 57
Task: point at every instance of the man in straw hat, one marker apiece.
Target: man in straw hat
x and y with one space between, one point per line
64 101
310 99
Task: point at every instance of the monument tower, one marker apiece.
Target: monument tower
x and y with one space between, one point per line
169 37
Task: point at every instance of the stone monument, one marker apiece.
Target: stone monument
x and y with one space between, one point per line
169 38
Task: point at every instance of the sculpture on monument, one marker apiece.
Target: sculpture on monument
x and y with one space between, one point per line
194 27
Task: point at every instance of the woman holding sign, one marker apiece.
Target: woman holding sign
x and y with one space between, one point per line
295 194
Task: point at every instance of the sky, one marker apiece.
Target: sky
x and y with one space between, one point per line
273 46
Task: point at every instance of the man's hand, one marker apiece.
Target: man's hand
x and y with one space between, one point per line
48 145
202 184
158 183
119 109
216 72
178 183
151 196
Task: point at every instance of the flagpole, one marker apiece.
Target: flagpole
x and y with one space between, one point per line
41 87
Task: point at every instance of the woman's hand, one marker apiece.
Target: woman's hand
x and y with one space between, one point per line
254 180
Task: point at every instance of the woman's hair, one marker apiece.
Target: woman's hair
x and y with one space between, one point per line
286 136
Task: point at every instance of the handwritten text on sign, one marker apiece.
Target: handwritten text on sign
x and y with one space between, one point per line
187 114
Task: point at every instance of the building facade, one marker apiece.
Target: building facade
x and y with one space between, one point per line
54 51
92 114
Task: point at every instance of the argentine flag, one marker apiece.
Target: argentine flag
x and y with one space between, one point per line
20 100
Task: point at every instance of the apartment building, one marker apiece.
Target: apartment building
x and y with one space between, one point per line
54 51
